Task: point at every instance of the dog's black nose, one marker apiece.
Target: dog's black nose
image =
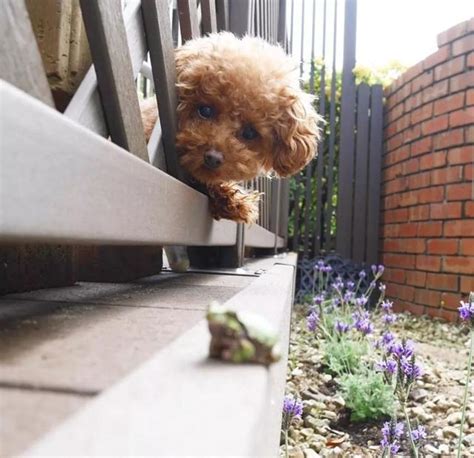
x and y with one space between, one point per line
213 159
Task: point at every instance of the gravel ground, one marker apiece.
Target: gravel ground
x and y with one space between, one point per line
325 429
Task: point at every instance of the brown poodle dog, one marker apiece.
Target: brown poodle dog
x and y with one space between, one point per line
241 113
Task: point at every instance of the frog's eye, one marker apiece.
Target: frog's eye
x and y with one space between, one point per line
206 111
249 132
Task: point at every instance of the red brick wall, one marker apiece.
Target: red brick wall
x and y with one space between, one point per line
427 234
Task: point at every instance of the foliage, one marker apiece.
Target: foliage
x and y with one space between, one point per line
367 395
344 356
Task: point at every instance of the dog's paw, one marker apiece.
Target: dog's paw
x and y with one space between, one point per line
231 202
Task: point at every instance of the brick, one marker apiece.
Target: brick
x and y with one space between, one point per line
401 261
449 68
419 213
415 277
428 297
447 139
433 160
390 230
438 90
394 275
445 210
447 104
461 117
470 97
398 155
413 72
461 155
463 45
392 201
414 309
421 114
428 195
408 230
413 101
447 315
467 284
392 172
429 229
451 174
420 180
466 247
461 81
442 282
395 142
424 80
442 246
395 112
396 185
459 228
469 173
450 300
436 58
461 191
470 60
469 209
396 216
458 264
410 166
434 125
408 198
405 293
421 146
405 246
452 33
469 135
430 263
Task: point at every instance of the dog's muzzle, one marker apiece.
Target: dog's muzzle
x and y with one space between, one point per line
213 159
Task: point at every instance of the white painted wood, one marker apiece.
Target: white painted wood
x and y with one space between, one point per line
62 183
258 237
180 403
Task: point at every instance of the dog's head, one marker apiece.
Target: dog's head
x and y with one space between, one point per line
241 111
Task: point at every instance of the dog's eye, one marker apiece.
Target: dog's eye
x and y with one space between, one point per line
249 133
206 111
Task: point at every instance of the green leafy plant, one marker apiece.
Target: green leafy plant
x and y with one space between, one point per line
344 356
367 395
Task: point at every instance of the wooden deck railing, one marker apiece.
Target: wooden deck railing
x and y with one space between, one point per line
62 183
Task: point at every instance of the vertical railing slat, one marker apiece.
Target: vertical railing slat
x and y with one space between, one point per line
222 13
240 13
109 47
346 148
361 170
158 27
209 18
188 19
375 171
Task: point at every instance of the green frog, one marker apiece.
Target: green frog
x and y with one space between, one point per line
241 337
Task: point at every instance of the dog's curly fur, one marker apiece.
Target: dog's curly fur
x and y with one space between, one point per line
247 82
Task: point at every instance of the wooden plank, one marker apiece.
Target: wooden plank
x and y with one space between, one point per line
86 107
257 236
188 19
375 171
80 188
240 13
285 207
361 173
113 65
346 146
222 15
209 19
160 44
20 58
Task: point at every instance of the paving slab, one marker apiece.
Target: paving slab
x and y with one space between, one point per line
27 415
84 347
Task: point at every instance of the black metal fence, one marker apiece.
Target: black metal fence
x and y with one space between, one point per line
334 203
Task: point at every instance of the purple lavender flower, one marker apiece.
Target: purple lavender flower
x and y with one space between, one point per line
466 311
418 434
361 301
318 299
319 265
349 296
341 327
377 270
350 285
362 274
389 366
327 269
386 305
412 370
403 349
389 318
387 338
312 320
338 284
382 287
362 322
292 408
391 434
373 284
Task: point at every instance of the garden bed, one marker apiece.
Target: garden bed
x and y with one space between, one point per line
326 427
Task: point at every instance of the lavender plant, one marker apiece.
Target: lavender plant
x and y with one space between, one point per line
292 410
466 313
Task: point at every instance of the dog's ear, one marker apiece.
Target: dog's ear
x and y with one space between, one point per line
297 133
